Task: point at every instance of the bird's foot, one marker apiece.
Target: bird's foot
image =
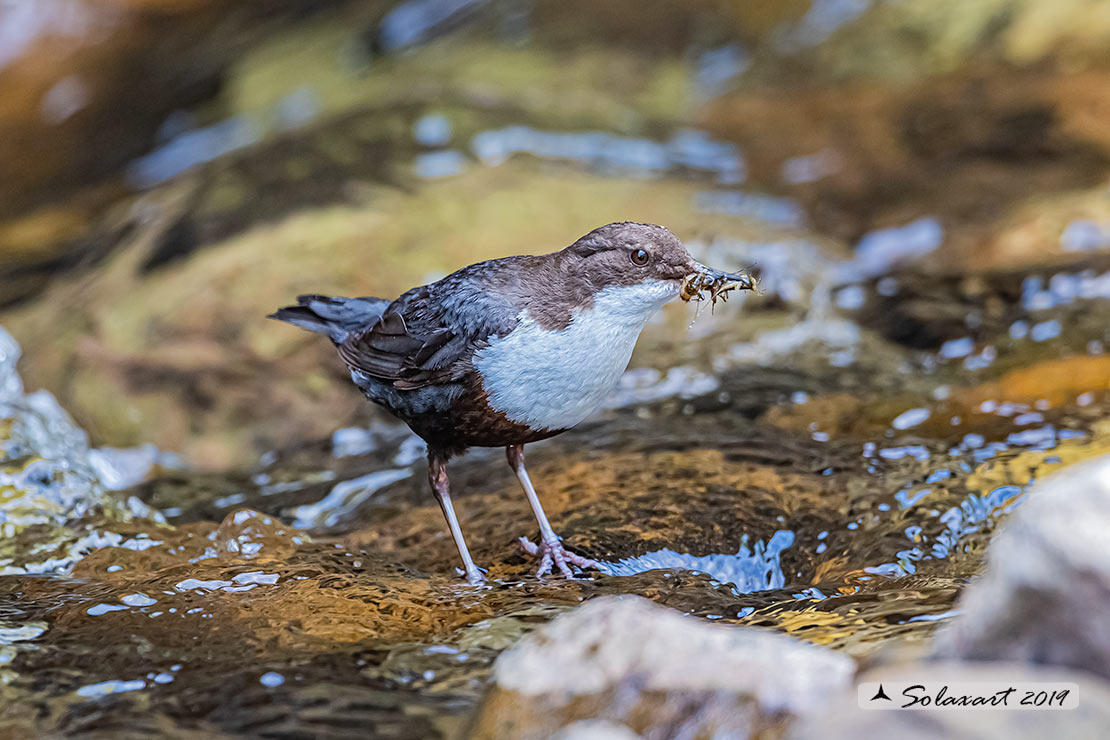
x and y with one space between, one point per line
474 577
552 552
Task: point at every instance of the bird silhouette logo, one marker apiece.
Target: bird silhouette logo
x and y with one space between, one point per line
880 694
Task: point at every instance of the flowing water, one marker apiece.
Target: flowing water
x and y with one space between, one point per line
828 458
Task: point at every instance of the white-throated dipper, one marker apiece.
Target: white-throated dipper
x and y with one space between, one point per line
510 351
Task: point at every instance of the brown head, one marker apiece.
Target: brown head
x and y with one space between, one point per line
628 253
632 268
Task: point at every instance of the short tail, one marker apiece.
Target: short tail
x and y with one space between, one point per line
336 317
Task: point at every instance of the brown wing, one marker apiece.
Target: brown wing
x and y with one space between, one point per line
390 351
420 341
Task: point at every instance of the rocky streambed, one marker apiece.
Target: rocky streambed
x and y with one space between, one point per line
206 532
836 502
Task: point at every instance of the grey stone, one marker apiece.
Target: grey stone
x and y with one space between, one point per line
1045 594
658 672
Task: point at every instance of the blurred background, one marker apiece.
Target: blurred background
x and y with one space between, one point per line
175 169
205 531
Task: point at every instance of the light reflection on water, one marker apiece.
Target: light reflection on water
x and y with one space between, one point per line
645 385
1085 236
433 165
104 688
415 21
610 153
811 167
881 250
758 206
1063 289
755 568
192 148
718 67
822 19
345 497
432 130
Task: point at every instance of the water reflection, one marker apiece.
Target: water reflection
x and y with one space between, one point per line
768 208
879 251
647 385
612 154
812 167
193 148
718 67
754 568
104 688
23 24
1063 289
415 21
433 165
1085 236
345 497
822 19
432 130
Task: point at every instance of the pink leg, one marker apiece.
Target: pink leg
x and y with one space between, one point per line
550 549
437 476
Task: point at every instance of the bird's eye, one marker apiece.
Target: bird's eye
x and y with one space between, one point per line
640 257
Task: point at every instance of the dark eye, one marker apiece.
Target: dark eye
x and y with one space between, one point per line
640 257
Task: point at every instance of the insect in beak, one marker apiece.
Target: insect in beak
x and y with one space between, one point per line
715 282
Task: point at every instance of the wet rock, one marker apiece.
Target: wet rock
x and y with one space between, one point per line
845 720
1044 596
54 506
657 672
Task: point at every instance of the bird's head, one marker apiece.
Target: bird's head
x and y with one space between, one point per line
643 266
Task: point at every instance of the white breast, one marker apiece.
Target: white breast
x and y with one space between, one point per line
555 379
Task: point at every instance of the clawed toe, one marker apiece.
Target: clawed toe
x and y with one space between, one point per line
552 553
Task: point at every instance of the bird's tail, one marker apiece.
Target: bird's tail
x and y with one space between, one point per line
336 317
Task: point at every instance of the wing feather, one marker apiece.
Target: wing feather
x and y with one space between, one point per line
421 341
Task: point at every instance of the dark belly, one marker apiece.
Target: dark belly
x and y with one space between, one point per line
451 417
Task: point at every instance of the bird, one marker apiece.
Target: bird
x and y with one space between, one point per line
510 351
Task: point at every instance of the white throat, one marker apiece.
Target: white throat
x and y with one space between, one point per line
554 379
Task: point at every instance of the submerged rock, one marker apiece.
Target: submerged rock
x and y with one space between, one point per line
656 672
1046 590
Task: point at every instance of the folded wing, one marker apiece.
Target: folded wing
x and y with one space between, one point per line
419 341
